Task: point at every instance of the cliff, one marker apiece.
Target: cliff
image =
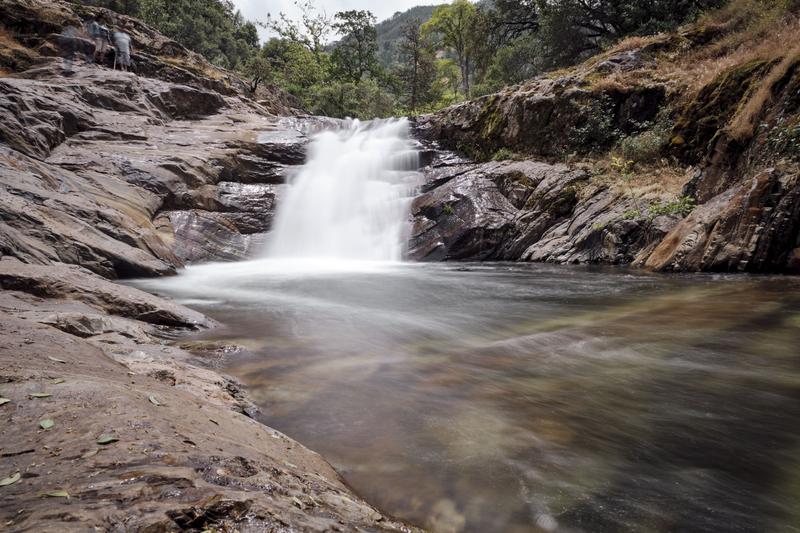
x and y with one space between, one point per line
104 175
676 152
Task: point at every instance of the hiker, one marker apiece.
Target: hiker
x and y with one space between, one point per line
93 29
68 45
124 49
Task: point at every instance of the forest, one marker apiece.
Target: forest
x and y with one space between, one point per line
341 66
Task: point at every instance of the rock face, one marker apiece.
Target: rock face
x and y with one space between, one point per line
132 176
525 210
739 132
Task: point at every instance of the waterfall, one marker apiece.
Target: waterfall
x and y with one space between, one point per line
350 200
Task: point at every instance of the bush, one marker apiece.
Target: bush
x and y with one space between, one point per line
644 147
680 206
503 154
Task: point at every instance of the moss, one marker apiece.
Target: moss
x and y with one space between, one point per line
491 117
564 202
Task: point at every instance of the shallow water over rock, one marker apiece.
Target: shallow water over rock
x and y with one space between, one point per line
527 397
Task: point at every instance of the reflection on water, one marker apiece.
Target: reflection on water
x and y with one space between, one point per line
514 398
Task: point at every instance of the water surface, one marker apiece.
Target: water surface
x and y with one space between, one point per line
511 398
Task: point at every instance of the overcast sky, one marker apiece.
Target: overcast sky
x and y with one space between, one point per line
382 9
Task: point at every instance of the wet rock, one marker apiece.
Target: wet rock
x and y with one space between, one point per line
71 282
753 227
526 210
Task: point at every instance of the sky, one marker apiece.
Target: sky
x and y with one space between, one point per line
257 10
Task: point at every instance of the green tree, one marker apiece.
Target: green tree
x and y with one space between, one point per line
356 54
311 31
452 23
417 73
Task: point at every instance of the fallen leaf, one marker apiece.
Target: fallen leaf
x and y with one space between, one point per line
47 423
59 493
106 439
39 395
4 401
58 381
90 453
57 360
153 400
10 480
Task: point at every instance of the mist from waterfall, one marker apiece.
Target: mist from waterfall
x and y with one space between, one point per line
350 201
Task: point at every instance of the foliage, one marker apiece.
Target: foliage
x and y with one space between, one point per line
503 154
364 100
417 68
644 147
392 31
680 206
310 32
355 56
210 27
452 26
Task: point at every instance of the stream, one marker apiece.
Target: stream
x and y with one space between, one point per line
520 397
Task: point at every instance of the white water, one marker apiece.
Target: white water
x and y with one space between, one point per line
350 201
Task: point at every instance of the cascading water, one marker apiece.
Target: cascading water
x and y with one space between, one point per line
350 200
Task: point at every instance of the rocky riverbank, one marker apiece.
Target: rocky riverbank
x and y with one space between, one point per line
676 152
105 175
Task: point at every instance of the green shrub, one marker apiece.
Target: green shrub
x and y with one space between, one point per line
680 206
644 147
503 154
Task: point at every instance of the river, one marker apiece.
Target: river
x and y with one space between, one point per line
519 397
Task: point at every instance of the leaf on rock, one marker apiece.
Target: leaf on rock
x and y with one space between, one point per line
4 401
58 381
56 359
39 395
153 400
59 493
106 439
47 423
10 480
90 453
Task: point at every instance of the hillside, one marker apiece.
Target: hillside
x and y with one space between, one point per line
390 32
681 153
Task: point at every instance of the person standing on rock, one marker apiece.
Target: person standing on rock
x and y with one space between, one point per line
68 44
95 31
124 49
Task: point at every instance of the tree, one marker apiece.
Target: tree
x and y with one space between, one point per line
312 31
418 66
356 55
453 24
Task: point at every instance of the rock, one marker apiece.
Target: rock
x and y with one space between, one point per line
526 210
752 227
544 118
71 282
191 461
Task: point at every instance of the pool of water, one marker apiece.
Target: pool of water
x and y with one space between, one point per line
511 398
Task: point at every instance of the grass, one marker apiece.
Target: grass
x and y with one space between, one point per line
751 30
744 123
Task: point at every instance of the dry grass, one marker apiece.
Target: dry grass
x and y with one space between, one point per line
745 122
753 30
652 182
8 39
